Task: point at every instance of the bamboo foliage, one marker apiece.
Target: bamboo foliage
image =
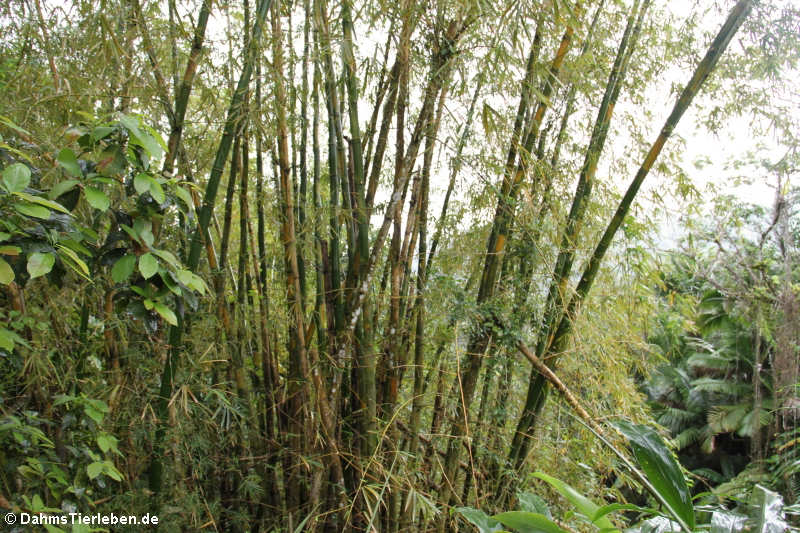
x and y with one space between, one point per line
380 257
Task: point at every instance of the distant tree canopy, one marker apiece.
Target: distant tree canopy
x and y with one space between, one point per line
305 266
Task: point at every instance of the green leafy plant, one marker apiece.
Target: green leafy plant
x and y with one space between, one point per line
663 479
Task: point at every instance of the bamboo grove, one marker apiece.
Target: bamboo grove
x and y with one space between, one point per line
369 354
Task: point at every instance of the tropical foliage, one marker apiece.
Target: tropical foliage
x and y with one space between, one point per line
317 266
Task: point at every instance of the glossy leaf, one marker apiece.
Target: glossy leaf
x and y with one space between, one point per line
96 198
66 158
727 522
528 522
533 504
479 519
661 469
62 187
768 516
166 313
40 264
184 196
193 281
148 265
166 256
611 508
6 273
42 201
157 192
32 210
584 505
142 138
10 250
123 268
142 183
16 177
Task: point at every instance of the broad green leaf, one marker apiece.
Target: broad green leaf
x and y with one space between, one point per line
4 236
166 313
62 187
101 132
661 469
61 399
166 256
184 196
142 183
95 469
131 232
584 505
100 405
9 338
148 265
42 201
170 283
10 250
192 280
96 198
37 504
156 191
479 519
66 158
106 442
613 507
111 471
533 504
32 210
16 177
6 273
142 138
40 264
144 229
528 522
6 340
727 522
94 414
157 136
123 268
768 516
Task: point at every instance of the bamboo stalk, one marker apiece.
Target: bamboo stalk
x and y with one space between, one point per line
203 219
